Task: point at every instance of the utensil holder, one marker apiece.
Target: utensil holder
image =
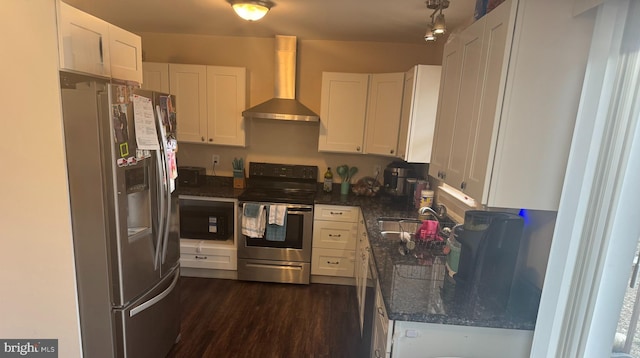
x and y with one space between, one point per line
344 188
238 179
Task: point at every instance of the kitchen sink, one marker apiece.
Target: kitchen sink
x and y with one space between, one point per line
391 228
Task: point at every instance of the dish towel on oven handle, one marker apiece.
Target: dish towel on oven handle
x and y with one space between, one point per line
277 226
253 220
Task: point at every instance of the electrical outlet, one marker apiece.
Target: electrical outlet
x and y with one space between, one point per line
216 159
376 170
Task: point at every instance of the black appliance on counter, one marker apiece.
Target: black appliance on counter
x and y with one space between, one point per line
487 268
191 176
287 261
395 178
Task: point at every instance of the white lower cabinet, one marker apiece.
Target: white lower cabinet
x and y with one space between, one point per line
430 340
335 229
381 340
208 255
331 262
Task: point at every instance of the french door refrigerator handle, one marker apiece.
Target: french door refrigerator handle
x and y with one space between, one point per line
157 298
161 196
163 171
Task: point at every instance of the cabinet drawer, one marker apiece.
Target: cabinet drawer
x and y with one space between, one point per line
218 261
330 262
335 235
336 213
202 254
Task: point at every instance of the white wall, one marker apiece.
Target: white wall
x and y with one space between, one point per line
37 274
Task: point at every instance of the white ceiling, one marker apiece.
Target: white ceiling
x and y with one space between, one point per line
343 20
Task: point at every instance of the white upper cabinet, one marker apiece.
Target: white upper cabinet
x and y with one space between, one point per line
90 45
418 118
125 49
384 105
343 112
209 103
155 77
505 120
226 99
360 113
83 42
447 108
189 84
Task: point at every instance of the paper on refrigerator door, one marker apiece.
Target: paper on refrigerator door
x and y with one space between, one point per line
145 125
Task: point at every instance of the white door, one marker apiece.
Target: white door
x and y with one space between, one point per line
189 85
343 112
447 107
125 49
226 99
155 76
383 113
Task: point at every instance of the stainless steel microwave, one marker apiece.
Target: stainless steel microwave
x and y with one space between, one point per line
202 219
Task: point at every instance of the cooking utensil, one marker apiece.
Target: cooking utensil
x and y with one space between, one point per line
352 172
343 171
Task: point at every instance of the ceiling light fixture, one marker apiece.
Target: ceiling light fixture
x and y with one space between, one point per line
437 25
251 10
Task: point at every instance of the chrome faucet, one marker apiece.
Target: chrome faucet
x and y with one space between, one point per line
442 211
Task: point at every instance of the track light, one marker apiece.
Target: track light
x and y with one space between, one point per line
437 24
429 36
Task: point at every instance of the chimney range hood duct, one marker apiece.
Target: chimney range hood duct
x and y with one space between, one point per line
284 106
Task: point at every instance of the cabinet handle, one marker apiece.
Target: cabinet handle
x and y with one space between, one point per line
391 151
333 262
210 139
332 235
377 353
463 185
358 148
201 257
380 311
335 212
202 139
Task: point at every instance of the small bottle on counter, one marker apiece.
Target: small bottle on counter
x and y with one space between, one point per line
328 181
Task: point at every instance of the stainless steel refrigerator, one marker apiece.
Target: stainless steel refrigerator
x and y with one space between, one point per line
124 215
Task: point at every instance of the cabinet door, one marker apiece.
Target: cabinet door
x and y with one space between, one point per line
188 84
470 54
484 125
125 49
447 107
419 105
384 106
83 41
226 99
342 112
155 77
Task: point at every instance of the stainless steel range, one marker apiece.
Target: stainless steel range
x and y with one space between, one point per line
285 257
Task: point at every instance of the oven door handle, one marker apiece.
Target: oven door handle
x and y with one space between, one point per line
298 212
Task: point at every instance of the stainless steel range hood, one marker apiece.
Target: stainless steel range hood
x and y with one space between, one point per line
284 106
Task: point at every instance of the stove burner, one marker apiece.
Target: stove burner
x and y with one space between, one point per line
281 183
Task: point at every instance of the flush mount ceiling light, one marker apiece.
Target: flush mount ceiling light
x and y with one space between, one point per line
437 25
251 10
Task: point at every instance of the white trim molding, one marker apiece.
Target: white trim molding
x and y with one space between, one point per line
597 226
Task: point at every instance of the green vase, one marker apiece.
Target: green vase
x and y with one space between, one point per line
344 188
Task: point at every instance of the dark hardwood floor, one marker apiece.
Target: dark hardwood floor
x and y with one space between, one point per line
228 318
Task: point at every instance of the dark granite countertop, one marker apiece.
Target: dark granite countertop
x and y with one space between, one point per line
413 288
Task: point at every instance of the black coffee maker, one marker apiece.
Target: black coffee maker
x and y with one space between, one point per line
490 243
